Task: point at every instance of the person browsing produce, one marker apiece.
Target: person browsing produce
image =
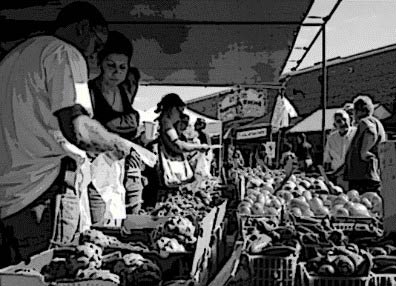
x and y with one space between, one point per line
113 92
44 87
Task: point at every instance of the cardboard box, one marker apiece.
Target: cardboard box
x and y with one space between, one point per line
387 158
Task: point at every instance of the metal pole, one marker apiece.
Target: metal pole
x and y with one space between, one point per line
324 88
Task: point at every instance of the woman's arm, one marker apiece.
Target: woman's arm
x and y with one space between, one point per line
185 146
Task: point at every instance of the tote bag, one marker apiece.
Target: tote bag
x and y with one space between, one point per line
174 172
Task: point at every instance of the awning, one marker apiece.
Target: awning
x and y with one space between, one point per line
204 42
313 122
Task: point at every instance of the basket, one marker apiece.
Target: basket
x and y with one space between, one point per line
273 270
307 279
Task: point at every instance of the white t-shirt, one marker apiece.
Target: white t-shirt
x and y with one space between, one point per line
39 77
337 147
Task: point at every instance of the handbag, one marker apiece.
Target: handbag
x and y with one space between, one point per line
175 172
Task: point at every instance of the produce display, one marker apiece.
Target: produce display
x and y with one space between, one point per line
304 196
341 261
175 234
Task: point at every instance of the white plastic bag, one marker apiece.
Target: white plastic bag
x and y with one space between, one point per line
107 177
203 164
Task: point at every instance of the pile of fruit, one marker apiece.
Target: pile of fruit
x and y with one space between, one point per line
304 196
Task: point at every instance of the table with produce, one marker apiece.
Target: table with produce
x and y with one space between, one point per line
167 245
300 229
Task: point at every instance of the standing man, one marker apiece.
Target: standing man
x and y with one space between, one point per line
337 146
44 91
304 153
361 162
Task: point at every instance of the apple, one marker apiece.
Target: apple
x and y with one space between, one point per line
341 212
261 199
296 211
352 194
257 209
307 195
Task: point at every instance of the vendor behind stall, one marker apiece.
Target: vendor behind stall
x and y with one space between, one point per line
43 91
337 145
362 161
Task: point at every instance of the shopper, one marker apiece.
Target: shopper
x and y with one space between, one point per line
238 160
200 126
304 153
261 157
348 107
287 155
182 126
361 162
337 145
112 93
44 90
171 147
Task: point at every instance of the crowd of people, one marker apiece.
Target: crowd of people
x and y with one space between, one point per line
351 151
54 120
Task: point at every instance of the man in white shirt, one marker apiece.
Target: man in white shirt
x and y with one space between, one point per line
44 91
337 145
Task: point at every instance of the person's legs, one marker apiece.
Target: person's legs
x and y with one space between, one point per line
53 216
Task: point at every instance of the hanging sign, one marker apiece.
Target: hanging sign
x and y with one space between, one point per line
244 103
250 134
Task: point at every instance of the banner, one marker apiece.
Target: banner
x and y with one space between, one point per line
244 103
250 134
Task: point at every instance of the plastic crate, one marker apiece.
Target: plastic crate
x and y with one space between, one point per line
8 277
383 280
246 222
307 279
272 270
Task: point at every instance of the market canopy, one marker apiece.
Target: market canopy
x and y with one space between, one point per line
213 127
313 122
189 42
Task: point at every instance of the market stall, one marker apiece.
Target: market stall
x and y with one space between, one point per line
182 237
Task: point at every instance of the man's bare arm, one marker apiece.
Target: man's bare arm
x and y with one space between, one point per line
89 135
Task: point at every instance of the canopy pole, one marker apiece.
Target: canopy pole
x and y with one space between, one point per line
324 88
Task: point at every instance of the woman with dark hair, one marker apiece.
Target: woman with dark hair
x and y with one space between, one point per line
171 108
112 94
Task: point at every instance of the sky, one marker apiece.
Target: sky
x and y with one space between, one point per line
356 26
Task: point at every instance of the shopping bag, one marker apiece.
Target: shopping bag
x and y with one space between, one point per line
175 172
203 164
107 178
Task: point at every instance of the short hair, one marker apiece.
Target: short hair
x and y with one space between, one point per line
116 43
168 101
364 103
343 114
78 11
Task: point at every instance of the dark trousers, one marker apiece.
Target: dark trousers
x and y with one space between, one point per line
364 186
22 235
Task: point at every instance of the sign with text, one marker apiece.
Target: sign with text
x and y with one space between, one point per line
250 134
244 103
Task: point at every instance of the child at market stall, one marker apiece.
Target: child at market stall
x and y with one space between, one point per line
287 155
